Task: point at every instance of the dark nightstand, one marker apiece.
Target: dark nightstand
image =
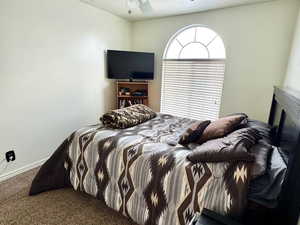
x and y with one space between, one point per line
211 218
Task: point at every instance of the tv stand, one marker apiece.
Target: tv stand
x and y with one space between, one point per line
131 93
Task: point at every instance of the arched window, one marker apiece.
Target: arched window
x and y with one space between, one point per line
193 74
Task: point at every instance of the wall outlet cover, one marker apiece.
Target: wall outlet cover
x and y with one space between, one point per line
10 156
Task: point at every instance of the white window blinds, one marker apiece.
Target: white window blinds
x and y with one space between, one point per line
193 74
192 88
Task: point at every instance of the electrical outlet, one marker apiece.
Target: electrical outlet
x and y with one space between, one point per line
10 156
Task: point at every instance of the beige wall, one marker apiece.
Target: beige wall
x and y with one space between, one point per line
52 71
293 72
257 38
52 77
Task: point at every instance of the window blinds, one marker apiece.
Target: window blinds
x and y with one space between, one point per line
192 88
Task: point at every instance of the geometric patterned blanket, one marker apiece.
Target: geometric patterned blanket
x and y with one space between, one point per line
140 173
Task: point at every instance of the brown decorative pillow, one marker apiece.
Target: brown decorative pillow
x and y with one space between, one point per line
221 127
243 122
233 147
193 133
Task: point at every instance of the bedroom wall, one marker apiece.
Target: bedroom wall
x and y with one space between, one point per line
258 40
293 72
52 74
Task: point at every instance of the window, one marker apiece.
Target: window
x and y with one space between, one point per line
193 74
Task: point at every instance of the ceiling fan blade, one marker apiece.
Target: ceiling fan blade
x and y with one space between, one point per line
145 6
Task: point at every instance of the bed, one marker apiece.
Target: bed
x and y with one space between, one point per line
138 172
142 173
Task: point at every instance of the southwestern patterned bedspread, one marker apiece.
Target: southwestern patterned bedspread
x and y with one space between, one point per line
140 173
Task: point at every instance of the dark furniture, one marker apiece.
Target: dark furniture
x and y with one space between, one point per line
211 218
285 117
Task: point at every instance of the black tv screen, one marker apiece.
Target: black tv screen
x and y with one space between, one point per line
130 65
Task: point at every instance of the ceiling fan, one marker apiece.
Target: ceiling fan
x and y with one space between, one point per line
144 5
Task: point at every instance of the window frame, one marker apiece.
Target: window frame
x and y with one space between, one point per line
181 30
167 46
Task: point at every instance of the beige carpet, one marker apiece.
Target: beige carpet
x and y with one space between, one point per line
59 207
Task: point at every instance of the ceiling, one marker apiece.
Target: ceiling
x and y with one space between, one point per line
162 8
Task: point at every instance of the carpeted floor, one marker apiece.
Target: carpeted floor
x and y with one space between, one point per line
61 207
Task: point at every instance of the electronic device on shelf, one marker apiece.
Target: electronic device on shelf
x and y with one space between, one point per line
130 65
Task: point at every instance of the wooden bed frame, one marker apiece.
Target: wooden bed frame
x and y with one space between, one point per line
285 115
285 118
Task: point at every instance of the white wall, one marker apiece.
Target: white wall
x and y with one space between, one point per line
293 72
52 78
257 38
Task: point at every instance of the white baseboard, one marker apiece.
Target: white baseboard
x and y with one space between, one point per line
22 169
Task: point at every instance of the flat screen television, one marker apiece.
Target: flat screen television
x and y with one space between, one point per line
130 65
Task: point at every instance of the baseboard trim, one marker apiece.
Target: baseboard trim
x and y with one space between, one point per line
23 169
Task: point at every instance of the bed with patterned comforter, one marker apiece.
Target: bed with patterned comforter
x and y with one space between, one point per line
143 174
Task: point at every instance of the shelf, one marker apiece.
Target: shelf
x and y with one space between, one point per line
126 96
132 83
124 100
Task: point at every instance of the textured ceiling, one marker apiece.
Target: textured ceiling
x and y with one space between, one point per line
162 8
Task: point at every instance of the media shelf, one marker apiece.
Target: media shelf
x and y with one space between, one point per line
124 96
131 93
